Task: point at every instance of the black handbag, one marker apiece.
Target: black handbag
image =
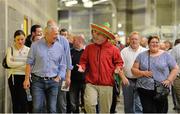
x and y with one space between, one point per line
4 62
161 92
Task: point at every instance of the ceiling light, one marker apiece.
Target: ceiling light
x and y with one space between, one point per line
71 3
119 25
98 2
85 1
88 4
113 15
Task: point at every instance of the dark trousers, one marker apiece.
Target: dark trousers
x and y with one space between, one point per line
18 93
174 98
149 104
74 96
114 101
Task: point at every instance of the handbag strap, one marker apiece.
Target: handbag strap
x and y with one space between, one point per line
11 51
148 60
149 63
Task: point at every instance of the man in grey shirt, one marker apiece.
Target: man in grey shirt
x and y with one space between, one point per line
176 54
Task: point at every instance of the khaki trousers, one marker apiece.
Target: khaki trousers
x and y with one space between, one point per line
97 94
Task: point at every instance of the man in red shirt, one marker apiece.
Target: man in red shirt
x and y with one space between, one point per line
100 61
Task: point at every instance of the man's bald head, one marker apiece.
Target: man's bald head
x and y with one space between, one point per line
51 23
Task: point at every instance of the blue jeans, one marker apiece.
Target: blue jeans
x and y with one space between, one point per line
132 103
61 100
44 91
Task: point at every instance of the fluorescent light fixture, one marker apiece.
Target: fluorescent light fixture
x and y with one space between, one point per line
98 2
71 3
68 4
85 1
88 4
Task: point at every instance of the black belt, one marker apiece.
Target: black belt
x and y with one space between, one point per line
44 78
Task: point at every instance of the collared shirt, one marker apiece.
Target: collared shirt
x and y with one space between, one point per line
64 42
129 56
47 61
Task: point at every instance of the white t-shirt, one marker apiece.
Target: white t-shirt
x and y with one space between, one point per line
129 55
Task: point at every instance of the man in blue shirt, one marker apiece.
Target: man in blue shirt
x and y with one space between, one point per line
47 64
61 100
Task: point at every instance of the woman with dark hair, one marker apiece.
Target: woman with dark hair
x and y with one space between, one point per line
16 60
150 66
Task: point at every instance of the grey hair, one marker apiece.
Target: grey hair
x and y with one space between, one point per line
50 27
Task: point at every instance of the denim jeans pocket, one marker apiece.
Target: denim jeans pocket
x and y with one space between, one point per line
55 82
34 79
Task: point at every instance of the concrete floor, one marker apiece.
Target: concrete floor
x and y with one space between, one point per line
121 106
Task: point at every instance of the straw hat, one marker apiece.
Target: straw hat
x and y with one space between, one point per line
104 29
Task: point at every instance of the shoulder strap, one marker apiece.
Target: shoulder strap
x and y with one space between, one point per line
148 60
149 63
11 50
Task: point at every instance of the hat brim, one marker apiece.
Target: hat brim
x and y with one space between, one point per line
103 31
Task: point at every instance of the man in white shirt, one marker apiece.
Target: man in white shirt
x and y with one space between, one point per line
131 98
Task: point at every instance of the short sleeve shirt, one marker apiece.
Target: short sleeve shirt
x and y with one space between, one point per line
159 65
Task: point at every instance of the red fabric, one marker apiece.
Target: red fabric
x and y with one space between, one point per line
100 61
